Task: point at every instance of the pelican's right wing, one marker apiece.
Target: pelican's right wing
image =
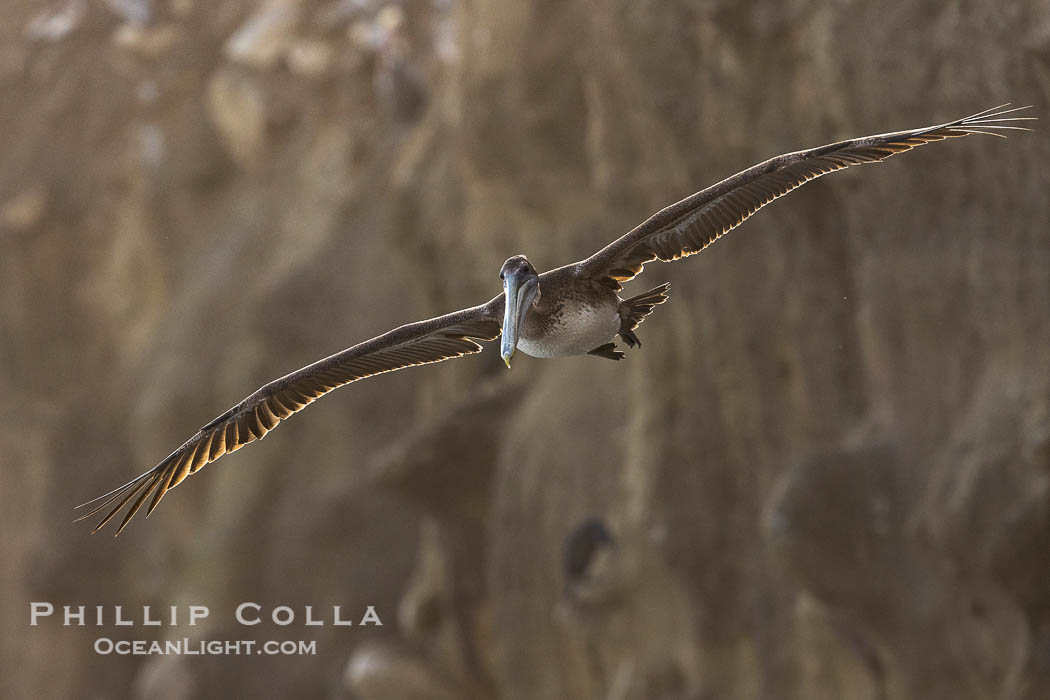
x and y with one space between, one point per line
424 342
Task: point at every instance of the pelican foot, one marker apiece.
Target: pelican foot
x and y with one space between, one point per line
630 338
608 351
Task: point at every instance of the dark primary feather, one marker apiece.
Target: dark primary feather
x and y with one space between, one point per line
689 226
437 339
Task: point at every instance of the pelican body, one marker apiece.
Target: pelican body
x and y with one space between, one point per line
563 312
571 310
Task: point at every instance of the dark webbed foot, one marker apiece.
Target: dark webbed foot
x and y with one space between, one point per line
630 338
608 351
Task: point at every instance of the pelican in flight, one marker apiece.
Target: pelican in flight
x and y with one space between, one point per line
571 310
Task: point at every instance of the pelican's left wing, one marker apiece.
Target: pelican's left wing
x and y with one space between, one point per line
437 339
692 224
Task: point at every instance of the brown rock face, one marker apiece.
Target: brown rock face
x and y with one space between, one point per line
825 475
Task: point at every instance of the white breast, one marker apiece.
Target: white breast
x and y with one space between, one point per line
577 331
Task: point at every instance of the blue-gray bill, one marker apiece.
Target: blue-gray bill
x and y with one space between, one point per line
519 289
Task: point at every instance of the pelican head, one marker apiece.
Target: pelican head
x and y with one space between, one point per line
521 285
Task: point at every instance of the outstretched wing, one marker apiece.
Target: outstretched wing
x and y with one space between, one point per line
437 339
689 226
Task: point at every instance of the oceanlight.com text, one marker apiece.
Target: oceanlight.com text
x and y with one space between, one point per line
203 647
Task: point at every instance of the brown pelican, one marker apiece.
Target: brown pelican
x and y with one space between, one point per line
571 310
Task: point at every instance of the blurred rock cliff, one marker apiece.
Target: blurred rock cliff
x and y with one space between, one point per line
825 475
